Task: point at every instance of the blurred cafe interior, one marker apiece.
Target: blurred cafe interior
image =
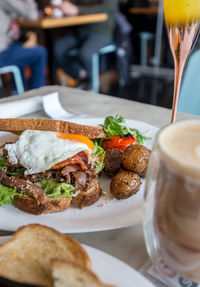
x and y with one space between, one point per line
117 48
87 88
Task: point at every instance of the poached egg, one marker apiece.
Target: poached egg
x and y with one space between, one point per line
39 151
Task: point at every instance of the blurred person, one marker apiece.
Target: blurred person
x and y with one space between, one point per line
88 39
21 50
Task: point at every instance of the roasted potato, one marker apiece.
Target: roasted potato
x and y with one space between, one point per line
124 184
135 158
112 162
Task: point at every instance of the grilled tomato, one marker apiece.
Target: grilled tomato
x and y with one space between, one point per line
119 142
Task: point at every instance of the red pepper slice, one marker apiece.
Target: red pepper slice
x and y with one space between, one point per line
119 142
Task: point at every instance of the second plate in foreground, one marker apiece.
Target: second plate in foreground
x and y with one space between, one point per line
105 267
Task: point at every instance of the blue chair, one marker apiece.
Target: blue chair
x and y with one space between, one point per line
96 65
17 77
189 101
144 38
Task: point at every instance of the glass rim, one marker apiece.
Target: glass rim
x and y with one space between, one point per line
179 165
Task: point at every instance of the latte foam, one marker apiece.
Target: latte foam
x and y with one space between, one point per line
180 143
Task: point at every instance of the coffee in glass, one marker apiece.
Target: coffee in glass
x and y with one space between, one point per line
172 199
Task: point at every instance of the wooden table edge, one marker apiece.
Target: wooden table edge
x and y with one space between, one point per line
48 23
143 10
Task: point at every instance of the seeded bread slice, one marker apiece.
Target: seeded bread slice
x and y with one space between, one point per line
26 257
20 124
71 274
28 204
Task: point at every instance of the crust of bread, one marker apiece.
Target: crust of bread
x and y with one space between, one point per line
88 197
67 274
4 282
20 124
28 204
27 256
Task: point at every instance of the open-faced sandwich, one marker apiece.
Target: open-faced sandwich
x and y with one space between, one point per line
52 165
55 164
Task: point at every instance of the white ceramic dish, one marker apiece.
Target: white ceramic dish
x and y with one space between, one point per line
110 269
103 215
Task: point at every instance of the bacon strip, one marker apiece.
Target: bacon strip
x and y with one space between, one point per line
80 158
70 168
80 179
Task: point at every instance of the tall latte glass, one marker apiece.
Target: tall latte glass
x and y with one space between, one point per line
172 200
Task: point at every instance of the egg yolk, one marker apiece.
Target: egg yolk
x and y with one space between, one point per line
79 138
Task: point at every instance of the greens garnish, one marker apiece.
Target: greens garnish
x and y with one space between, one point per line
99 154
7 194
52 189
3 162
15 171
114 126
55 189
12 171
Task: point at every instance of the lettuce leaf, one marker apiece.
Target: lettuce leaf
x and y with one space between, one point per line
52 189
56 189
7 194
114 126
16 171
3 162
98 155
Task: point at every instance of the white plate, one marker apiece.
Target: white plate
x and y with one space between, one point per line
110 270
103 215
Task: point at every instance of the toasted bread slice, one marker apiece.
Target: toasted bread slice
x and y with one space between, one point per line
28 204
84 198
71 274
27 256
19 125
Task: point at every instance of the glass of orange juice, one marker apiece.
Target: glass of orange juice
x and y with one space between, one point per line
182 19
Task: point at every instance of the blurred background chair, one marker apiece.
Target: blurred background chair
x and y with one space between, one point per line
100 59
15 71
189 101
144 39
123 53
96 66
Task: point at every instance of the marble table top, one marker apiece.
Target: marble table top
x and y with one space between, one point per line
127 244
